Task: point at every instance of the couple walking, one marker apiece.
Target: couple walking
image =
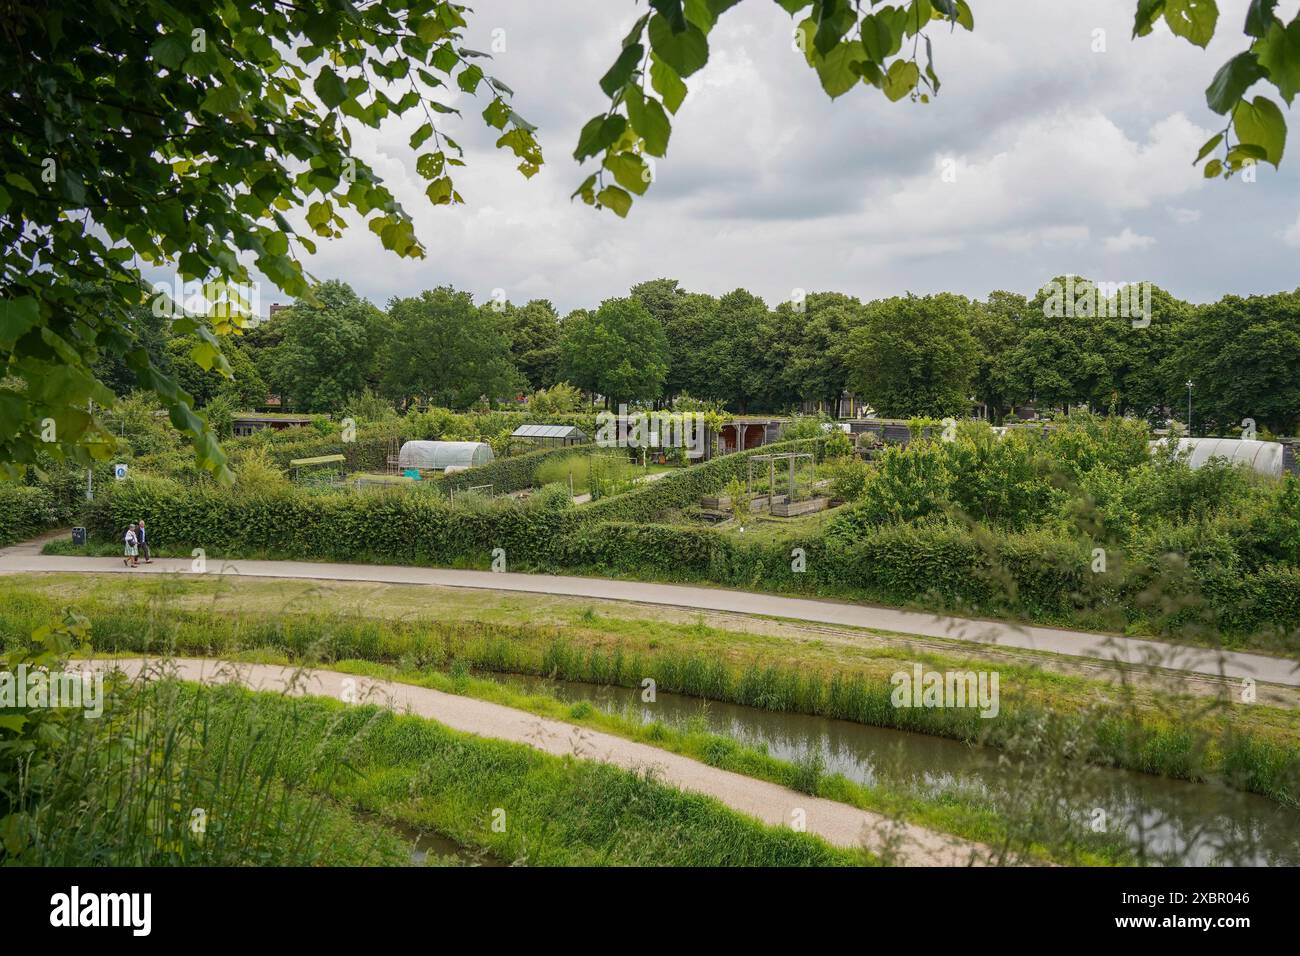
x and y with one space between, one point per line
136 541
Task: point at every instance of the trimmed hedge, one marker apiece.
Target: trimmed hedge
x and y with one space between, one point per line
685 488
1034 574
396 525
29 510
510 474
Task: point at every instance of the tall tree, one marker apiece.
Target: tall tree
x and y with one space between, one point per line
620 351
995 323
1241 357
327 348
445 350
738 362
535 341
814 365
915 356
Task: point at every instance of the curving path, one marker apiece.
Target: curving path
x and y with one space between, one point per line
1134 651
837 823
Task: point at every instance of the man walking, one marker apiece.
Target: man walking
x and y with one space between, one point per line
144 542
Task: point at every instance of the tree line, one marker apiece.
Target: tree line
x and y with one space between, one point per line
933 355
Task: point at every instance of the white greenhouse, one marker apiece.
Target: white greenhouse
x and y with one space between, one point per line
1264 457
443 455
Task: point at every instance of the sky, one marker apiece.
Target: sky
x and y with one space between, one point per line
1067 159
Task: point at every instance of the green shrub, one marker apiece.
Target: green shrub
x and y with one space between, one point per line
27 510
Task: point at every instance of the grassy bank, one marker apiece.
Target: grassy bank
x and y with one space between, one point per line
523 805
1252 747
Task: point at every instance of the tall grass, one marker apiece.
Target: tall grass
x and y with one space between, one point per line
1183 745
174 777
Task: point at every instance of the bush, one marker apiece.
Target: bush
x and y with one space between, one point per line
849 478
27 511
838 444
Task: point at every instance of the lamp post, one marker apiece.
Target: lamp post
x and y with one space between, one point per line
1189 408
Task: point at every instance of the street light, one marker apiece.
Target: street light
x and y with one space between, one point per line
1189 408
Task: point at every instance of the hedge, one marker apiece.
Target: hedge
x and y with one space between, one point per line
399 525
1034 574
513 473
27 511
684 488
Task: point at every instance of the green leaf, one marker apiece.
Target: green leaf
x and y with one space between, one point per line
420 135
1193 20
630 170
701 13
440 192
1260 122
671 12
1148 12
835 69
496 113
649 120
882 34
964 15
667 83
918 15
1210 143
600 132
900 79
1232 81
171 50
330 88
621 71
685 52
836 20
1260 16
469 78
1279 53
17 318
616 199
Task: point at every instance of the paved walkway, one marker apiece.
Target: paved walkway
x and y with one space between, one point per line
837 823
1133 651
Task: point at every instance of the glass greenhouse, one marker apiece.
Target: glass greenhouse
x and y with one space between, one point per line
441 455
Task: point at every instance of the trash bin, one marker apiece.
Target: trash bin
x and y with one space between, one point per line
79 537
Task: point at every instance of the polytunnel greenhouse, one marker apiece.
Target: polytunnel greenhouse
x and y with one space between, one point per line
1264 457
441 455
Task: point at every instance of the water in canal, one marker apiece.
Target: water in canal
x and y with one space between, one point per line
1166 821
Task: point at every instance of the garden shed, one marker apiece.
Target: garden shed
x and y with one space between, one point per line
1264 457
441 455
549 435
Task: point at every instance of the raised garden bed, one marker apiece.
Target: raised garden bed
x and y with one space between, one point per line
791 509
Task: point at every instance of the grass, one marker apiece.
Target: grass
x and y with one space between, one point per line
523 805
326 775
169 778
1179 736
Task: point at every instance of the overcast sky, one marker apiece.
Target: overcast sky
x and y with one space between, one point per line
1067 161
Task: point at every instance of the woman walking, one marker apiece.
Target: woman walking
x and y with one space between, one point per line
131 556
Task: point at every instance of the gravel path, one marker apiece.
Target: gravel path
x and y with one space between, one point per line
837 823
